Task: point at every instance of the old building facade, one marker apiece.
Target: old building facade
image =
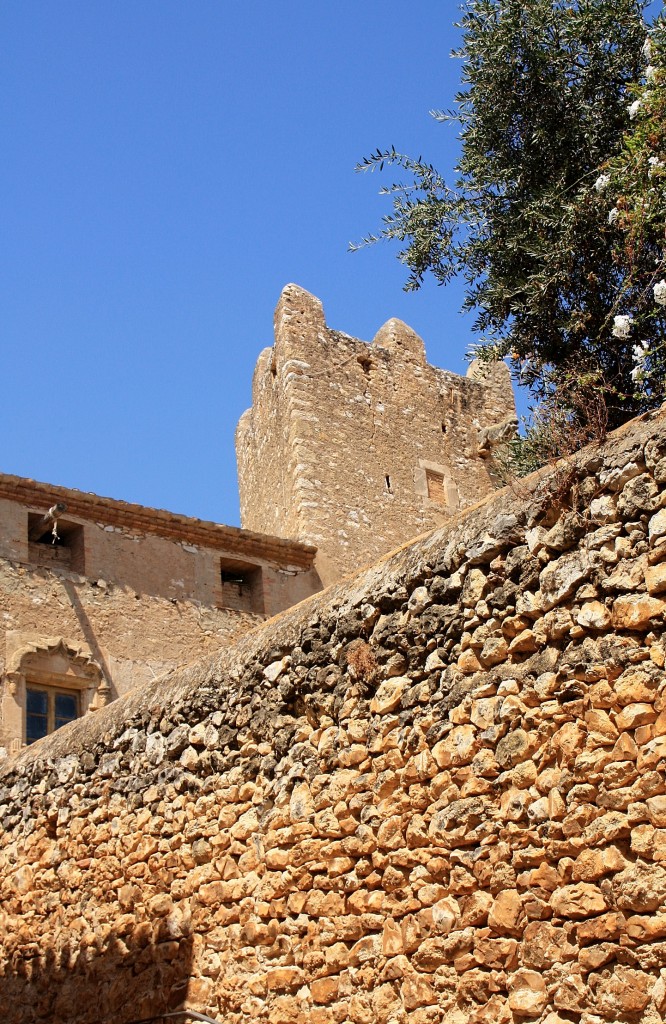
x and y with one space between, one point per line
357 448
349 449
118 595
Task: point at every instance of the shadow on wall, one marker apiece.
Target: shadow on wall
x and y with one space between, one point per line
87 630
116 979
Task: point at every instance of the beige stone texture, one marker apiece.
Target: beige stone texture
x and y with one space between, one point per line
358 447
274 834
128 595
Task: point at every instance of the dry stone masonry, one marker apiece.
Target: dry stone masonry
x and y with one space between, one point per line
356 448
435 794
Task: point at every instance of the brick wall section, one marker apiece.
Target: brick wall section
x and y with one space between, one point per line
434 794
335 448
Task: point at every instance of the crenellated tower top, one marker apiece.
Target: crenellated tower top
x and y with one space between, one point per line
358 447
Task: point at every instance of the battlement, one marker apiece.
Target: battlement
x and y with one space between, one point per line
356 447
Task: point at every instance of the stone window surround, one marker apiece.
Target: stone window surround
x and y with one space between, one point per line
421 483
83 675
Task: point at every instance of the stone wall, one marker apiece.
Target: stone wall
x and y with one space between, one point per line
356 448
435 794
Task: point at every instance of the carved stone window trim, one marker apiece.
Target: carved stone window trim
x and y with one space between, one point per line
29 666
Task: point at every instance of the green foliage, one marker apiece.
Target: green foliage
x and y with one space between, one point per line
632 194
543 105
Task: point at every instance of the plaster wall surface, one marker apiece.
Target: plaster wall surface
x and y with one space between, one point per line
432 794
355 447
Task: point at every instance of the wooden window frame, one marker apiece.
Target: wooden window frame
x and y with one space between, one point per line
51 693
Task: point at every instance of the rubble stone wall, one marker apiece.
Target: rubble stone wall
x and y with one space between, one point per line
434 794
341 436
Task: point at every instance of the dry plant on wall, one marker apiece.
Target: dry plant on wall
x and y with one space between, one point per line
575 414
361 662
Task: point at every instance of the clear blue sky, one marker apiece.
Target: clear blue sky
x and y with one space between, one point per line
167 167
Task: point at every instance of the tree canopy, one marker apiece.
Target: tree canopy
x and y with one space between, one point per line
543 109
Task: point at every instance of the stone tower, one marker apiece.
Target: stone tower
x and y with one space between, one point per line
358 447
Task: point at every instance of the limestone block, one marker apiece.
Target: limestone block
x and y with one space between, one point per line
572 994
635 611
544 944
280 978
633 715
325 990
524 643
506 916
389 694
604 509
562 577
594 615
655 578
582 899
640 888
494 651
273 671
419 600
646 929
527 993
656 806
657 526
628 574
417 991
515 747
458 748
640 494
624 992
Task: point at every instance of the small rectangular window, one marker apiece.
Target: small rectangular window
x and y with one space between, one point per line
47 709
436 487
241 586
57 543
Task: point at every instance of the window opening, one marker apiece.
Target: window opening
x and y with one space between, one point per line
241 586
443 428
365 363
54 541
47 709
436 488
387 478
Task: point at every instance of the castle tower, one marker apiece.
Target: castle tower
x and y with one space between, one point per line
357 447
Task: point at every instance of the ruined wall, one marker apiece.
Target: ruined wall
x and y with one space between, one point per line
435 794
342 437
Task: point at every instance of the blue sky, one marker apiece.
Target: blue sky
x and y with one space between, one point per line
167 167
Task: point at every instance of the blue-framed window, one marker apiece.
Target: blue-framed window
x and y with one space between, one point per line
47 708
